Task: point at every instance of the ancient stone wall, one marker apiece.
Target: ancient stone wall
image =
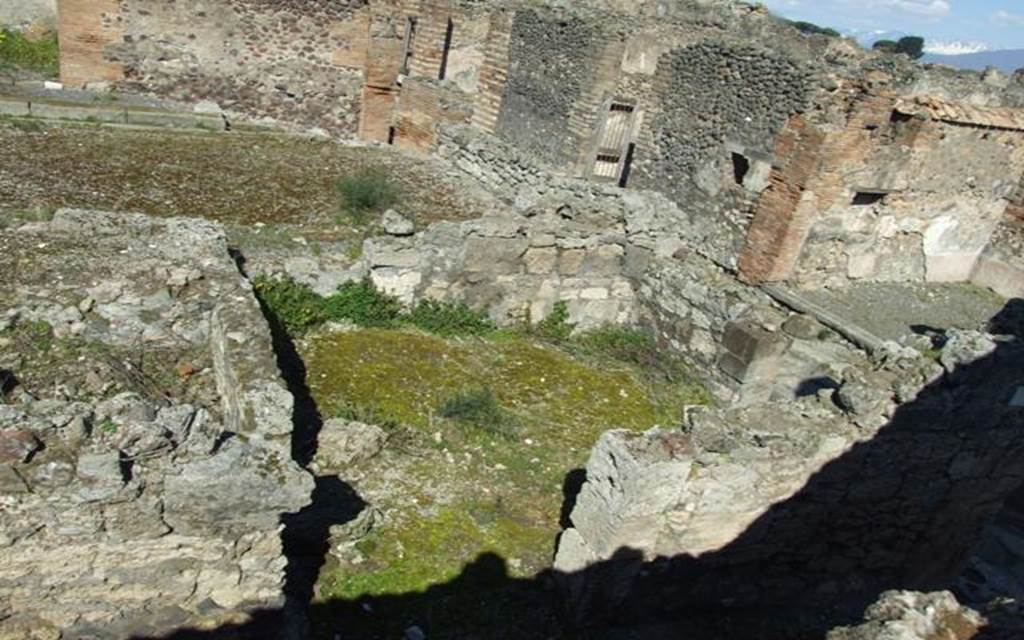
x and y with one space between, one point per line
551 62
423 107
895 194
21 14
839 496
919 204
145 462
298 62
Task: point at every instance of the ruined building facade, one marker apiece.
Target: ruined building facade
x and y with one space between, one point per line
805 159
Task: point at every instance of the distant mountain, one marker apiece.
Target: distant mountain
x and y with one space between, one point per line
954 48
1007 60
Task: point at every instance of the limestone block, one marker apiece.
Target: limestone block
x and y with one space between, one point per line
76 112
13 107
605 260
401 283
631 480
495 255
861 266
342 443
541 260
570 261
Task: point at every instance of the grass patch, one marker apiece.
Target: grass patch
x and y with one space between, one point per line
490 428
479 408
364 193
300 309
294 305
41 55
282 181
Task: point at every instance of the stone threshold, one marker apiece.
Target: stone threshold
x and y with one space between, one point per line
854 333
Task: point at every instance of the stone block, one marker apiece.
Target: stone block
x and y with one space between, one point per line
86 113
541 260
605 260
14 107
495 255
170 119
749 342
570 261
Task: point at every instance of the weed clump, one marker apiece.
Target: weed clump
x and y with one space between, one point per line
450 319
479 408
556 326
364 193
296 306
41 55
362 303
299 309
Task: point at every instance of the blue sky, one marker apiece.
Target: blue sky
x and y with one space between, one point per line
997 23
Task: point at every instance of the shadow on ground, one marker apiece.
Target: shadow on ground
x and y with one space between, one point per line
899 511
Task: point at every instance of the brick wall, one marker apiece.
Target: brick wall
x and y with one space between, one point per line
809 177
494 72
423 106
87 27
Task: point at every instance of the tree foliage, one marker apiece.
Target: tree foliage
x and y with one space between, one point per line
912 46
809 28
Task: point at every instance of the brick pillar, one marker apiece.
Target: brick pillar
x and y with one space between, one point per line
494 73
86 28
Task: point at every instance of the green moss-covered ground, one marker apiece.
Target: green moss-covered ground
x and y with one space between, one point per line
454 490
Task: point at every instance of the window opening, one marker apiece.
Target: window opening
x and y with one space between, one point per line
447 49
740 168
866 198
614 144
407 44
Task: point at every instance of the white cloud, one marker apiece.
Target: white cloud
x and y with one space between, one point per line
933 8
1005 18
928 8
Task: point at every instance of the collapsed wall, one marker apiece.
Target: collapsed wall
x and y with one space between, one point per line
145 431
882 484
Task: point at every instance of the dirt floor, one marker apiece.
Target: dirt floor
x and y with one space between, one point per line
248 181
892 311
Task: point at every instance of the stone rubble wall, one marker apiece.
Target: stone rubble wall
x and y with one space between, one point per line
907 615
840 495
291 61
133 512
945 189
23 14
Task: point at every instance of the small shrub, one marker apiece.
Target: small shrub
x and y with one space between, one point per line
107 427
296 306
450 319
556 326
41 55
479 408
366 192
362 303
